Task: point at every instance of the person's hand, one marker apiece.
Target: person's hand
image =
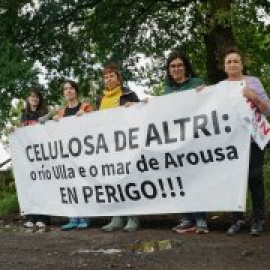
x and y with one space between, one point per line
10 129
251 95
254 98
79 113
129 103
200 87
43 119
145 100
56 118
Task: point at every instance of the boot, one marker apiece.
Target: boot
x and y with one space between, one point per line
132 224
115 224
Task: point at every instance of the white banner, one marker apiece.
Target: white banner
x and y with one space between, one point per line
260 130
184 152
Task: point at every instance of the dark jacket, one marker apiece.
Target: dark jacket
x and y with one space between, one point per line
190 83
127 96
30 118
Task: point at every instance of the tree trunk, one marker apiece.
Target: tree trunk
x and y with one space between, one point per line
219 36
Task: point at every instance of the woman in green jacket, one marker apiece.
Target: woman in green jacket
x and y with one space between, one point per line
181 77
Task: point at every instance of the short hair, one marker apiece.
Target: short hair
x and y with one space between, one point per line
112 67
188 67
230 50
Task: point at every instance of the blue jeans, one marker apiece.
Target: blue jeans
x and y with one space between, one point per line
194 216
79 220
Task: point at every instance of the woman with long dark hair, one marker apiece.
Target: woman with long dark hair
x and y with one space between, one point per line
34 109
180 76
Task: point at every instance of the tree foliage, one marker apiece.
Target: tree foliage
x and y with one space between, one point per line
16 69
120 29
72 38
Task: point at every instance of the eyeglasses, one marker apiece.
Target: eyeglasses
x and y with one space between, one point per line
176 65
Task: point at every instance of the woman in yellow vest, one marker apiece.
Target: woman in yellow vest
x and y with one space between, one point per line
115 95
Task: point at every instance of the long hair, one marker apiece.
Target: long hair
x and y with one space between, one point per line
42 107
188 67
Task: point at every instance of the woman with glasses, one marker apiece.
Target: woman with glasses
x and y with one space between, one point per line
180 76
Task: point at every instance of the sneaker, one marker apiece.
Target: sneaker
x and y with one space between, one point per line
201 226
257 227
132 224
29 225
41 227
69 226
40 224
185 226
236 228
115 224
83 224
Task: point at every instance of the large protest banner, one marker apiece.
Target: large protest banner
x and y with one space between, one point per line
182 152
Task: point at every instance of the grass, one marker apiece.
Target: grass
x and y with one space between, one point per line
8 196
9 204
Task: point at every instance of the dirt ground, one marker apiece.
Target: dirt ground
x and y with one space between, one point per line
154 246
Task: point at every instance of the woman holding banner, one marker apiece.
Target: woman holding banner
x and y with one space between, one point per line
181 77
233 63
115 95
34 109
73 107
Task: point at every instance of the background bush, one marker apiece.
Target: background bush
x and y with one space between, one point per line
8 195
